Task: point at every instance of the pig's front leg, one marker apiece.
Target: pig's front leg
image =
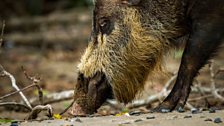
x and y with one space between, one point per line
203 43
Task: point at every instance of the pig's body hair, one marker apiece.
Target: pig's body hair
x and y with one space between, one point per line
128 68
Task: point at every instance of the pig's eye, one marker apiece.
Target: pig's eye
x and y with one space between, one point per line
104 25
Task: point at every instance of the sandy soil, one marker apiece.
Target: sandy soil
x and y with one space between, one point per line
152 119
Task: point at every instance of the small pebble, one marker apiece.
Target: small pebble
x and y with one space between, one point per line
138 120
165 110
217 120
78 120
180 110
14 124
150 117
212 110
91 116
126 123
194 111
208 119
135 113
51 118
187 116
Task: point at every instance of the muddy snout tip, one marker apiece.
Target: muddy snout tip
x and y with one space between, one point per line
76 110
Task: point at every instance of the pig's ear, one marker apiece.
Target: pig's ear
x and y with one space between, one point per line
131 2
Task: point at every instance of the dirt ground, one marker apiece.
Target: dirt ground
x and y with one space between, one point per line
151 119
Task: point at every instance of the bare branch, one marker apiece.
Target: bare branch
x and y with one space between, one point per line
149 100
137 103
202 93
205 89
168 83
36 110
200 98
35 81
213 83
220 70
55 97
13 81
189 106
66 109
15 104
15 92
164 92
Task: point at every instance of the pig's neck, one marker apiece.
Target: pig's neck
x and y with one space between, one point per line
167 17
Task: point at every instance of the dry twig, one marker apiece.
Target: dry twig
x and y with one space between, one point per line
13 81
164 92
36 110
66 109
15 92
35 82
137 103
213 91
213 75
202 93
55 97
15 104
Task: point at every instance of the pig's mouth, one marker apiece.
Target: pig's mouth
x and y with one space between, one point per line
77 110
90 94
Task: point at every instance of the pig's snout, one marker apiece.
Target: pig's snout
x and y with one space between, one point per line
77 110
90 94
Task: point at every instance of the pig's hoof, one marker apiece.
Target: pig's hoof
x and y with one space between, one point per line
180 109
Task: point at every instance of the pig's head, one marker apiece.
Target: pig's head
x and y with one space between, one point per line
124 47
